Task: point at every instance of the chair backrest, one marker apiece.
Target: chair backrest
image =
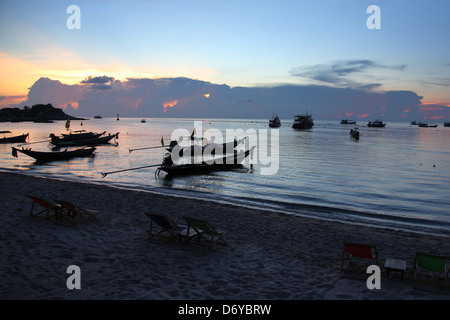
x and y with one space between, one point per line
430 262
163 221
200 224
360 250
41 202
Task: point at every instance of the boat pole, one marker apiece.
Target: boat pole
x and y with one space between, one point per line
104 174
129 150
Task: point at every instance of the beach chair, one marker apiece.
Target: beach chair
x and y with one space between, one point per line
75 211
358 250
206 231
432 264
50 209
164 227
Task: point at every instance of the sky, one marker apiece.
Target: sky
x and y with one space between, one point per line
183 58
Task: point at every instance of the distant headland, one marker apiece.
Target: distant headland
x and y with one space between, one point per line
37 113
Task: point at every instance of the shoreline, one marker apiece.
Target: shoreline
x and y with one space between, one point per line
269 255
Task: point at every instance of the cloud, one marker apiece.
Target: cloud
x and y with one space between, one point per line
145 97
340 73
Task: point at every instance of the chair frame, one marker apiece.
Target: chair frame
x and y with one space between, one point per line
347 255
49 207
446 269
206 231
74 211
168 228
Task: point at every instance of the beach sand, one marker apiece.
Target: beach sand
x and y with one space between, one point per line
269 256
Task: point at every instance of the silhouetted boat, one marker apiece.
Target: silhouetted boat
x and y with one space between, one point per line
376 124
143 121
427 125
210 148
97 117
74 136
94 141
47 156
414 123
9 138
303 121
274 122
224 163
346 121
446 124
354 133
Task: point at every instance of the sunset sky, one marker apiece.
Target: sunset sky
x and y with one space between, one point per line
240 43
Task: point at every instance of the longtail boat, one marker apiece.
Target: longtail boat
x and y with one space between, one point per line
93 141
46 156
218 164
9 138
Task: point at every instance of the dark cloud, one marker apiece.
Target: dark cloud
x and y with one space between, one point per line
97 80
339 72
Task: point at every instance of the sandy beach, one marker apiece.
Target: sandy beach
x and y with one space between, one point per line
269 256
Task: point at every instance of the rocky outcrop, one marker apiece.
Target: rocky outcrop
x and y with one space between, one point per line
37 113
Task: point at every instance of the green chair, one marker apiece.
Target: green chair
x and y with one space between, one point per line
431 263
206 231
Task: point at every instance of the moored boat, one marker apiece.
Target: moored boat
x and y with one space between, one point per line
47 156
347 121
274 122
224 163
303 121
92 141
376 124
354 133
7 137
427 125
447 124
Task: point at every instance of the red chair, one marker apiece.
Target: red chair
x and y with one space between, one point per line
50 209
358 250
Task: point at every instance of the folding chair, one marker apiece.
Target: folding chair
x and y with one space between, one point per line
164 227
358 250
431 263
50 209
206 231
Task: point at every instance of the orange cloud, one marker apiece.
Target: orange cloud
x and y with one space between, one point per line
362 116
169 104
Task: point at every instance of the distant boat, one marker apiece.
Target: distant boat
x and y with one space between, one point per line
427 125
7 137
143 121
376 124
354 133
43 156
446 124
347 121
97 117
118 117
414 123
303 121
274 122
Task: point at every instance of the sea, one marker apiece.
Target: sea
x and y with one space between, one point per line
395 177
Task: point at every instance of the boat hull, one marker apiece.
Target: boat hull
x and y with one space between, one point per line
42 156
21 138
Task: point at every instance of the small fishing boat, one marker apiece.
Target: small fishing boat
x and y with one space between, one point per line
74 136
427 125
376 124
447 124
354 133
210 148
7 137
92 141
98 117
206 166
143 121
274 122
47 156
347 121
303 121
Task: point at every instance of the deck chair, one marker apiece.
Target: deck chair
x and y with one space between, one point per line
164 227
50 209
75 211
206 231
358 250
431 263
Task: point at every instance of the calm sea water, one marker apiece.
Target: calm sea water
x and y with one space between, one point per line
397 176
